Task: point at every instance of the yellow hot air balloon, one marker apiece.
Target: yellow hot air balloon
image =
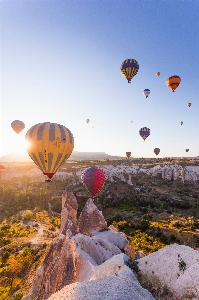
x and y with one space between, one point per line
17 126
173 82
50 145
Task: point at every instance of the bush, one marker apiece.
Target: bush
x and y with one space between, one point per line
27 216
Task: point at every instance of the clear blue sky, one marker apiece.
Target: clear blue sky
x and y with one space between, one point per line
60 62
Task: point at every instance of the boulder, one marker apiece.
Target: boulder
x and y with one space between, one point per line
116 238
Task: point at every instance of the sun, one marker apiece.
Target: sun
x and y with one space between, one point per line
22 145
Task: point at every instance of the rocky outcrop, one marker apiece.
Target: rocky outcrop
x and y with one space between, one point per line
91 219
76 257
69 212
57 269
112 280
176 266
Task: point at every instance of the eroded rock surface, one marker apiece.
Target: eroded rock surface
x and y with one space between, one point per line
69 211
91 219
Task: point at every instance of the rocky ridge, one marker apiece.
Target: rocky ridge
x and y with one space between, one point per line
86 255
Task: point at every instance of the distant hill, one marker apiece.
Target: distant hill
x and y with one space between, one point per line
24 157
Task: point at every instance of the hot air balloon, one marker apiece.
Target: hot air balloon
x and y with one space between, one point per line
146 93
173 82
189 104
187 150
128 154
2 170
129 68
93 178
181 123
50 145
156 151
131 121
87 120
17 126
144 132
158 74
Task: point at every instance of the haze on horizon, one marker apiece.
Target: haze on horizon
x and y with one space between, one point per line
60 62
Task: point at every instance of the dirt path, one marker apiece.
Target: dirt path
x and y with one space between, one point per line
38 238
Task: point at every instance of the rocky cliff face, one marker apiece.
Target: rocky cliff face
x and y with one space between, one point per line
79 253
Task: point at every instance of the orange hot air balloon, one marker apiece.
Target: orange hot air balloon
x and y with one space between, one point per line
173 82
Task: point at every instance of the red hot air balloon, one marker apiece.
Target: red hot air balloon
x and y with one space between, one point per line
93 178
2 169
189 104
128 154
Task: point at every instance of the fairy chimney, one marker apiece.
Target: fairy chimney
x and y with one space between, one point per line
91 219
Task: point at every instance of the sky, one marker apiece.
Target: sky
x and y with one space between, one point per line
60 63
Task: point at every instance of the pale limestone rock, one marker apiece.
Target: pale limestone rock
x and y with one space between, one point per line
164 264
188 282
91 219
116 238
121 286
98 249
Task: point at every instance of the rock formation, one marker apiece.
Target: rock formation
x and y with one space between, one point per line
78 263
111 280
176 266
69 212
91 219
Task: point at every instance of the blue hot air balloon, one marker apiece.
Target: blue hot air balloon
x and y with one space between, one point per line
144 132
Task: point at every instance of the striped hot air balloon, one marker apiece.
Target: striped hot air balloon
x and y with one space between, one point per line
50 145
129 68
173 82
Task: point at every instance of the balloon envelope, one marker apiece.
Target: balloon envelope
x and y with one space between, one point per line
181 123
187 150
146 93
189 104
158 74
144 132
156 151
87 120
2 169
50 145
173 82
129 68
128 154
93 178
17 126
